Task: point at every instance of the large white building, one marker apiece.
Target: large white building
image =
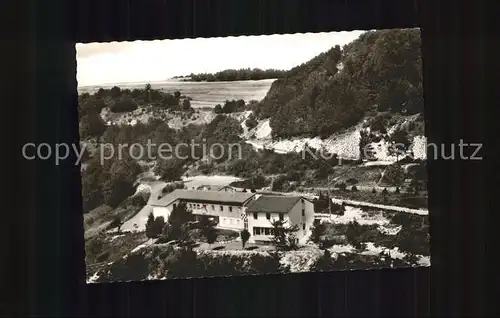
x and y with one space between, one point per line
227 208
239 210
291 209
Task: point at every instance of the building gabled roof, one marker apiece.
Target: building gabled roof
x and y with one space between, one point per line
237 198
273 204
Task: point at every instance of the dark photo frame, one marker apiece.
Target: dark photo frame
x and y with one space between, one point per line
52 269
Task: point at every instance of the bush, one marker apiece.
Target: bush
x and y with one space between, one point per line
140 200
154 226
186 104
354 189
324 263
244 235
394 175
92 125
126 104
170 101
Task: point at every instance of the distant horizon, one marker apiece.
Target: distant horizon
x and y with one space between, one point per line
161 60
166 80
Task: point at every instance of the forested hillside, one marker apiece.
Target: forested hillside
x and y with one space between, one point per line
379 71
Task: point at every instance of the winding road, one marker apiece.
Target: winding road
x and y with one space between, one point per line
141 217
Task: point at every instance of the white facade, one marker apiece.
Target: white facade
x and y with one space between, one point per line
229 216
302 215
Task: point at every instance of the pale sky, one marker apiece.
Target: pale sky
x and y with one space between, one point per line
150 61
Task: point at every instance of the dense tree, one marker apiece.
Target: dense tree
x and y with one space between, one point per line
236 75
207 228
179 222
251 122
183 262
218 109
324 263
170 101
115 92
318 231
283 237
90 104
92 178
154 226
320 97
170 169
400 143
119 181
92 125
186 104
354 234
245 236
394 175
125 104
116 223
365 149
147 89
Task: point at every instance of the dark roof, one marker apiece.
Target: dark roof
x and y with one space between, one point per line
273 204
205 196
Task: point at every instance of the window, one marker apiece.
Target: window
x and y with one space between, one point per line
304 226
256 231
255 216
303 212
221 208
281 216
213 208
230 209
268 216
175 205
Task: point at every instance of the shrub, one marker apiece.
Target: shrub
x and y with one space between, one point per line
244 235
92 125
126 104
324 263
154 226
394 175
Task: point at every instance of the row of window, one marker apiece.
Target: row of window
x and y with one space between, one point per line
204 206
262 231
268 230
230 221
268 216
280 215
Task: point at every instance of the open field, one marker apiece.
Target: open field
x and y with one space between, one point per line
204 94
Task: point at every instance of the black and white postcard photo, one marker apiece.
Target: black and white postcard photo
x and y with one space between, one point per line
252 155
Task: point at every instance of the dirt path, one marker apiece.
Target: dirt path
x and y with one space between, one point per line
142 216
